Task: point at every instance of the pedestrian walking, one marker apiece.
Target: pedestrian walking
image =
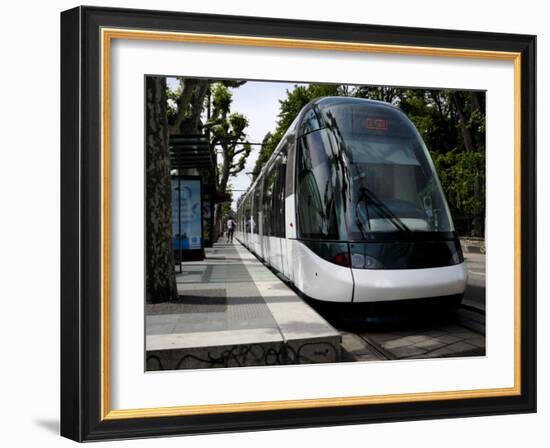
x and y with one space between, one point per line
230 230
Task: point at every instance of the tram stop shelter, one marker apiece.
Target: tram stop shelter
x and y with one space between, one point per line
192 168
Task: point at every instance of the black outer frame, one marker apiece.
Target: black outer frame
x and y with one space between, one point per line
81 221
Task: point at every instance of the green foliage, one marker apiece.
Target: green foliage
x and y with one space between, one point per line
289 109
172 102
269 143
190 99
462 175
221 101
227 131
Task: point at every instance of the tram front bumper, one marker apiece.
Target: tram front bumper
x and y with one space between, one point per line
376 285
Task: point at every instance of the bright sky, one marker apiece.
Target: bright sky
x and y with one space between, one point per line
259 102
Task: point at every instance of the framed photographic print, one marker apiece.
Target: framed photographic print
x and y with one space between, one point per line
275 223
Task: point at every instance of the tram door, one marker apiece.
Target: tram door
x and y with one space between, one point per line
282 211
274 197
267 213
255 225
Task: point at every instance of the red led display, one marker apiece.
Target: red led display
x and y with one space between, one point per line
376 124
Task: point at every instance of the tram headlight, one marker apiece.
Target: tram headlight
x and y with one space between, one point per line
344 254
372 263
360 261
335 252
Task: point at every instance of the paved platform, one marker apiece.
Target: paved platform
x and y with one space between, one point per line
233 311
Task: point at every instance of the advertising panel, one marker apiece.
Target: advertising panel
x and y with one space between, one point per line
186 214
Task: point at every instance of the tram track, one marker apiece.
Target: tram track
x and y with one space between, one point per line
461 336
377 348
472 319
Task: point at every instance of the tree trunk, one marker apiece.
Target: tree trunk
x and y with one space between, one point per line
226 167
469 143
437 100
463 120
190 105
222 187
478 218
183 105
160 269
478 103
193 124
217 221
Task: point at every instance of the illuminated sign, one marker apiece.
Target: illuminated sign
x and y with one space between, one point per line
376 124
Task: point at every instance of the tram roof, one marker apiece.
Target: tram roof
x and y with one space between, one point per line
337 100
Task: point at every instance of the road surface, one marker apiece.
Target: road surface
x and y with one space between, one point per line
475 291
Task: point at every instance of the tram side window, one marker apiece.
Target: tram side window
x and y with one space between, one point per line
269 184
310 122
316 177
247 214
239 221
274 198
256 212
278 208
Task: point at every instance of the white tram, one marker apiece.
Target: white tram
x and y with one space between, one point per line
349 208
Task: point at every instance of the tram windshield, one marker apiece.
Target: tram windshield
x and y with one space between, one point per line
365 171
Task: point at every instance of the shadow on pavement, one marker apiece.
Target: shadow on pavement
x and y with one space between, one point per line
389 317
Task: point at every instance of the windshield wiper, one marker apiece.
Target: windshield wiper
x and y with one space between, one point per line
371 199
361 227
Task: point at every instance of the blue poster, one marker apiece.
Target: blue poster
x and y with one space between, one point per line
186 214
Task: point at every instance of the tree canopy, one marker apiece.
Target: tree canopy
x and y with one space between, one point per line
227 131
